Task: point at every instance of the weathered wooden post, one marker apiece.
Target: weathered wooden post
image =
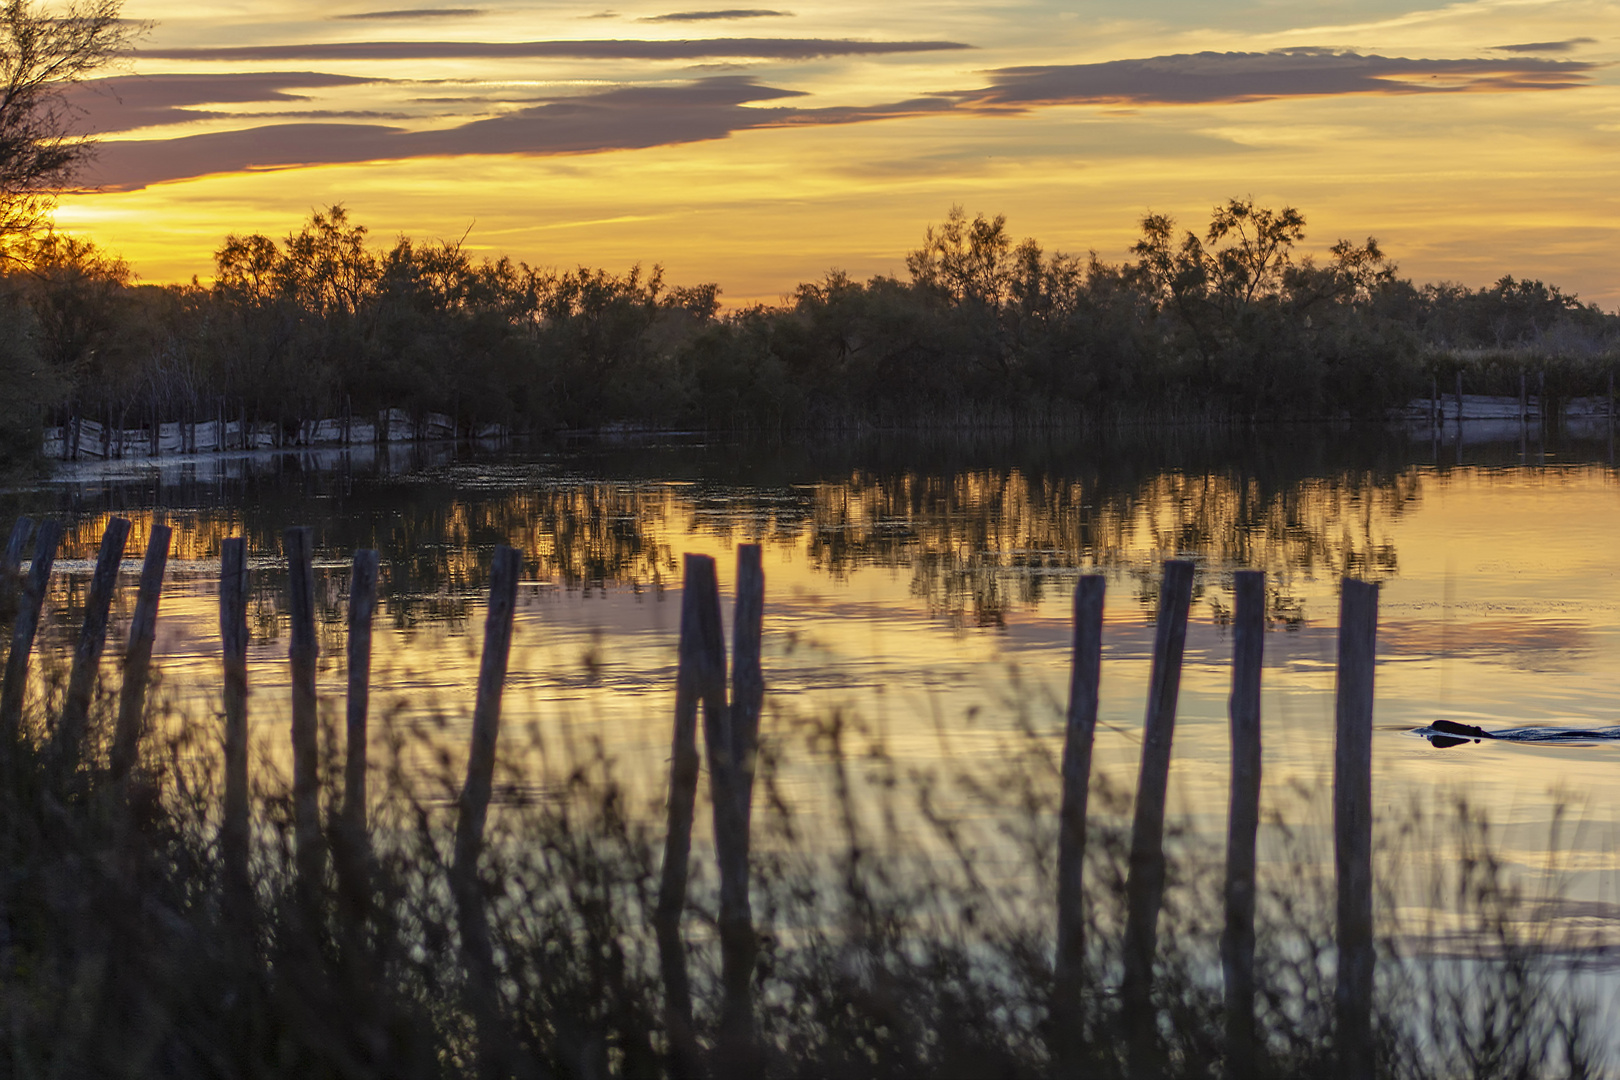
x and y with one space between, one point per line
20 531
695 678
138 654
15 689
353 846
362 606
1144 886
1352 827
747 674
731 772
478 950
298 543
71 729
10 560
233 829
1085 679
1243 820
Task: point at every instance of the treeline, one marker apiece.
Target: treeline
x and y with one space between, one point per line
1233 322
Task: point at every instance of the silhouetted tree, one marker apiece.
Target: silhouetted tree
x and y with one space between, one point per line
1233 321
42 53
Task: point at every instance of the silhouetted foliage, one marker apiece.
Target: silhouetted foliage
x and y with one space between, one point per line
42 53
1231 323
905 917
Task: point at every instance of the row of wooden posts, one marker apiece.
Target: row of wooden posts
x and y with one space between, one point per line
1529 406
107 438
730 736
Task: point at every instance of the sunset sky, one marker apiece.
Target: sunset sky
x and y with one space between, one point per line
762 147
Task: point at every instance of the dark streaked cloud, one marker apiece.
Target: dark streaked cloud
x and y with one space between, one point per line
714 107
414 13
126 102
618 119
712 16
127 165
1567 45
1210 78
751 48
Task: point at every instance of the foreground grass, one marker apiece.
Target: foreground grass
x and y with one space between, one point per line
905 921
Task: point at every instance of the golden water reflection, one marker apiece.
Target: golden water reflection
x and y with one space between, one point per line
925 589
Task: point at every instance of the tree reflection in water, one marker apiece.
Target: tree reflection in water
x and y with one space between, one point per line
983 524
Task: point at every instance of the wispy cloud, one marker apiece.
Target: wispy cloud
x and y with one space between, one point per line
127 102
617 119
712 108
751 48
1567 45
414 13
1209 78
715 16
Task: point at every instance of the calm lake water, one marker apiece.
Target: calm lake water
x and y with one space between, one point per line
922 586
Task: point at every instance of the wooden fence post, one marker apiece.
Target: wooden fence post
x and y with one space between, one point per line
478 950
362 606
1085 680
1352 827
747 675
298 542
1144 886
1243 820
233 829
138 654
15 689
353 847
71 729
700 604
10 560
14 546
732 744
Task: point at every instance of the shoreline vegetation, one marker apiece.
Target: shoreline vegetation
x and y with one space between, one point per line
905 924
1233 324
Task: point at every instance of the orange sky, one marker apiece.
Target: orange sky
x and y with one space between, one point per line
761 147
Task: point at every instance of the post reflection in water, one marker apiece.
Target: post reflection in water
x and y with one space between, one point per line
924 586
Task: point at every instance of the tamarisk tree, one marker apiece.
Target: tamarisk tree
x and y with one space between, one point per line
44 52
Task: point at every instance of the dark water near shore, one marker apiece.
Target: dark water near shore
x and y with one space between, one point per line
923 585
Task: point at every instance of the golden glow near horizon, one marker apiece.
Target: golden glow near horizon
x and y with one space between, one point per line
1472 139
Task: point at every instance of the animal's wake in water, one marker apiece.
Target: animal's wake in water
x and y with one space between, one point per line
1448 733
